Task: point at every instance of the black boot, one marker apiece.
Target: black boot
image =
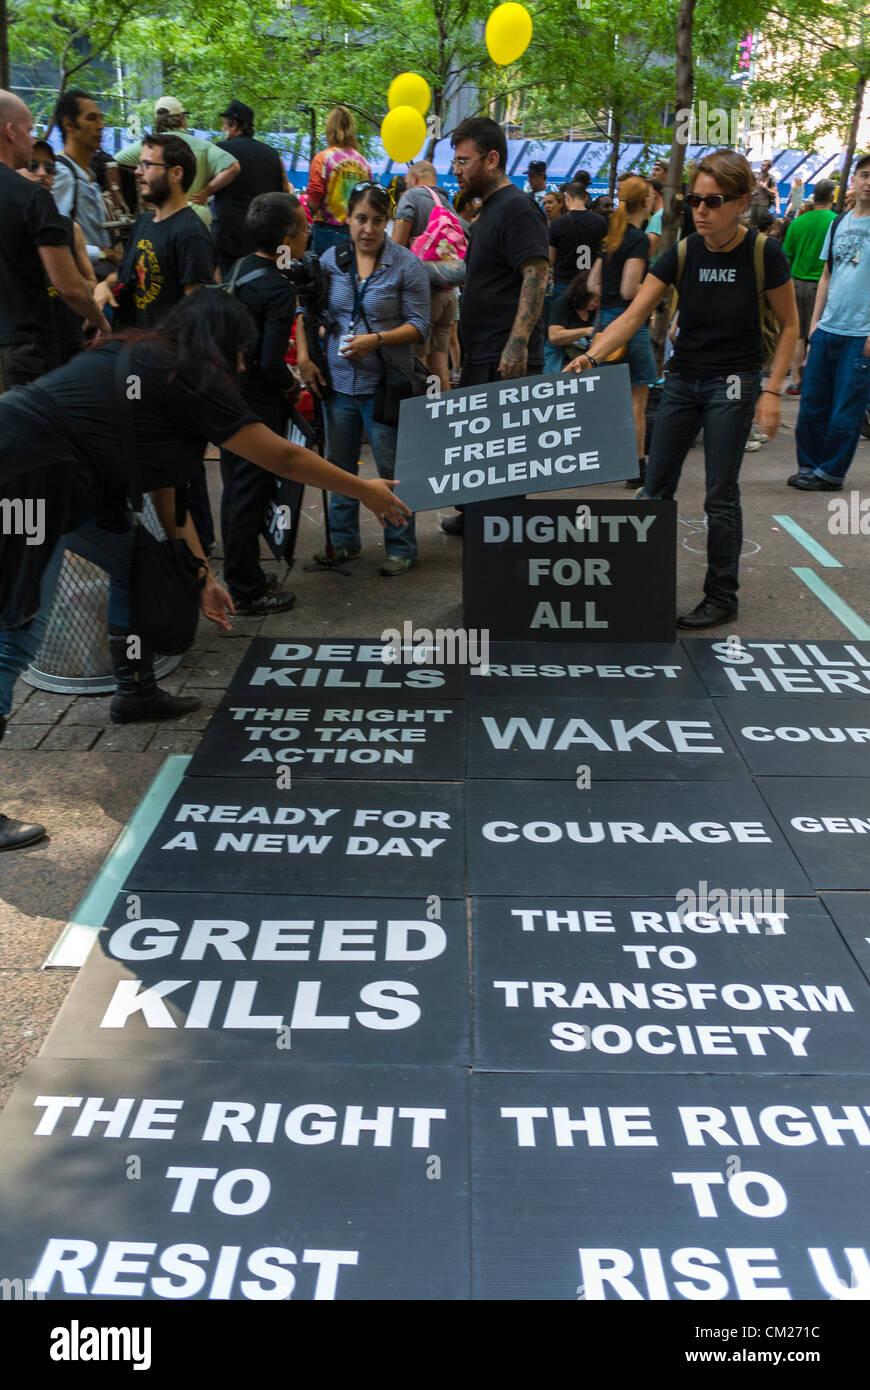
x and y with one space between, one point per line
15 834
138 695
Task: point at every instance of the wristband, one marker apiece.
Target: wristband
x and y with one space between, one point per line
378 336
589 358
766 391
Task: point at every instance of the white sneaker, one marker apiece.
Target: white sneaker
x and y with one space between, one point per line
751 446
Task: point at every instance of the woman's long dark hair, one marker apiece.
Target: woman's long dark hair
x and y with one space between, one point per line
205 331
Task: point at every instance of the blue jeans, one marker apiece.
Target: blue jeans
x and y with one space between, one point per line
345 417
725 407
18 645
835 389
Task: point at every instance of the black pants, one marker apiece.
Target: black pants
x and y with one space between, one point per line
246 494
199 506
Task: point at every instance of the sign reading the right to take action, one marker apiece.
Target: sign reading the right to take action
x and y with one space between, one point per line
507 438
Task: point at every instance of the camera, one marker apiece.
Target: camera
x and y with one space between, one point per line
307 278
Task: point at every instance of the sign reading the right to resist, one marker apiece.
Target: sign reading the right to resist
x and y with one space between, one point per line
569 571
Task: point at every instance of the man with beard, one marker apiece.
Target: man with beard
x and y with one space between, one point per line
506 267
76 192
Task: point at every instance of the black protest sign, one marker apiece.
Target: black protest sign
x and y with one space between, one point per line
617 740
562 570
191 977
280 522
649 839
761 985
415 740
507 438
238 835
731 666
826 820
670 1187
196 1181
812 737
851 912
349 667
624 670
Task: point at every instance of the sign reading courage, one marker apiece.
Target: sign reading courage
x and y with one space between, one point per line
537 434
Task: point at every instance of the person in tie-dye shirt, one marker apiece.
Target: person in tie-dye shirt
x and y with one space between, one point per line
334 174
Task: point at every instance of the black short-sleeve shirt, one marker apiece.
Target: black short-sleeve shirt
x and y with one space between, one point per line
634 246
719 324
509 232
568 233
160 259
260 171
28 219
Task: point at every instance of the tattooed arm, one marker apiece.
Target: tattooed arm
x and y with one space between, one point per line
514 358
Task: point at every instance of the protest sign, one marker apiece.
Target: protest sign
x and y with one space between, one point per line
343 667
636 670
851 912
826 820
779 736
731 666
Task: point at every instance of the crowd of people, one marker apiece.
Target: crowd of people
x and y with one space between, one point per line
105 271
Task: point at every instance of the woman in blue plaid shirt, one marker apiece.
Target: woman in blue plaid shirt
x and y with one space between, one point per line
380 297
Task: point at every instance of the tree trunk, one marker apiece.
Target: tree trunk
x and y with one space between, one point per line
860 87
4 45
673 179
614 153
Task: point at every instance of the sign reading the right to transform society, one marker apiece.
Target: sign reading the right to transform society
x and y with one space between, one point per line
534 434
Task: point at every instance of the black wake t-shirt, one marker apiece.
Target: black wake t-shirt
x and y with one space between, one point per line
508 233
28 219
719 324
634 246
160 259
261 171
271 301
571 231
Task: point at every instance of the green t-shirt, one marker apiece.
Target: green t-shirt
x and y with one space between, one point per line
803 243
210 160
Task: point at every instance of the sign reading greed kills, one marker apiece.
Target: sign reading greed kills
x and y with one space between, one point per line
734 667
192 977
617 985
198 1181
571 571
419 739
536 434
344 668
243 836
670 1187
630 840
618 740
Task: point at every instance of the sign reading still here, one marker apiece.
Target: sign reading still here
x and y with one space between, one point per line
536 434
569 571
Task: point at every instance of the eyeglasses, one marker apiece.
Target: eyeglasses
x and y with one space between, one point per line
150 164
462 160
711 200
47 164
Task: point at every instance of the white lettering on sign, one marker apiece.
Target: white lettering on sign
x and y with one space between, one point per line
624 832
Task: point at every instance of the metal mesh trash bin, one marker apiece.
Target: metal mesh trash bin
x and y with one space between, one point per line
74 657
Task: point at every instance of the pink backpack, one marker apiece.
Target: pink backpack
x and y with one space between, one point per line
442 236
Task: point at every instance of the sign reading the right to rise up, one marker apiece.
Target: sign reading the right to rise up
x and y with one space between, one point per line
507 438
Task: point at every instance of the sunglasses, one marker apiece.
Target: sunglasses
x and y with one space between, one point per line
712 200
36 164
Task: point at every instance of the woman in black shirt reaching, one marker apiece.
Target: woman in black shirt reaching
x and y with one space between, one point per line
714 376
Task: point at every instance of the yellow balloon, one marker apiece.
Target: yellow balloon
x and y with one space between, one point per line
508 33
403 131
409 89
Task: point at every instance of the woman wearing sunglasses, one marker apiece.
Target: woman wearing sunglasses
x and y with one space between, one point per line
714 376
380 300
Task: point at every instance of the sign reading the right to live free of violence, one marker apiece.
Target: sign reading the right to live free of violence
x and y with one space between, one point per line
508 438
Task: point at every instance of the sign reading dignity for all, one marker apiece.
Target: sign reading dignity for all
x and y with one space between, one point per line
615 740
734 667
811 738
670 1187
277 980
565 570
420 739
243 836
765 984
536 434
632 840
826 820
200 1181
625 670
339 669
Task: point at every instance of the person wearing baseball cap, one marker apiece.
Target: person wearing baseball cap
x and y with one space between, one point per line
261 172
215 169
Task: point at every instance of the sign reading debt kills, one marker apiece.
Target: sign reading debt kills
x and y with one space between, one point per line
670 1187
192 977
244 836
420 739
343 667
611 985
201 1181
632 840
571 571
536 434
